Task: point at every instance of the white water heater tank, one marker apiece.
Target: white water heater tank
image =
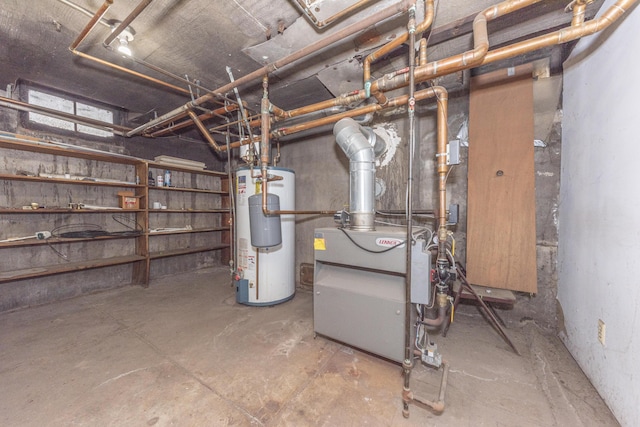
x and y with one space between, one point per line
268 274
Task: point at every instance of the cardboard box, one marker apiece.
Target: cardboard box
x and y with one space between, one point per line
128 200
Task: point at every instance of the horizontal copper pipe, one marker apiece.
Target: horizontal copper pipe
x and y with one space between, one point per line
372 108
97 18
338 36
188 123
561 36
333 18
126 70
463 61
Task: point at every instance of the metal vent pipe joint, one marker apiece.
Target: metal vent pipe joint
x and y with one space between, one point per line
354 141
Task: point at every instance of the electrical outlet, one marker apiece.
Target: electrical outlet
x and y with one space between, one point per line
602 329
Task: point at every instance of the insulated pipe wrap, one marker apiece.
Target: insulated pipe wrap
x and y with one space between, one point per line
352 140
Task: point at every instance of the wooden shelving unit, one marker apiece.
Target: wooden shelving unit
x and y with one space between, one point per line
198 203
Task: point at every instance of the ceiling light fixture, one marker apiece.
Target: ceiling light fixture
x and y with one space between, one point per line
123 45
123 40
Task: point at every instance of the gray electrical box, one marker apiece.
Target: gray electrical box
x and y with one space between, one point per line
359 287
420 273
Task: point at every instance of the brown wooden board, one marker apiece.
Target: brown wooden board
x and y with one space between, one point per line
501 227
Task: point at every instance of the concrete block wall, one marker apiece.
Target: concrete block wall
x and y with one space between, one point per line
24 293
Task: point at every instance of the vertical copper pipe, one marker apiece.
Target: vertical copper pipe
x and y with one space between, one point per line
128 20
579 7
92 23
423 52
203 130
442 169
389 47
265 129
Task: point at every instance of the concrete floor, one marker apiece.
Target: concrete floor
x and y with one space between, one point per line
184 353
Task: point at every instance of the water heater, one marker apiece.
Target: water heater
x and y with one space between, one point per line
266 276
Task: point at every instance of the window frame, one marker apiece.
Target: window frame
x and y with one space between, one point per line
24 88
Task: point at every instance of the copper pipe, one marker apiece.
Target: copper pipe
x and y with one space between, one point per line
175 77
329 103
201 117
338 36
389 47
282 131
442 168
92 23
203 130
264 158
463 61
254 122
279 112
98 18
265 129
331 19
30 108
84 11
562 36
128 20
578 7
423 52
126 70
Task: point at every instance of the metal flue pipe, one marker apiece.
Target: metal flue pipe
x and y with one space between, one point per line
362 170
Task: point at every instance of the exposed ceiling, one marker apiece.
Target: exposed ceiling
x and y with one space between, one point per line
198 39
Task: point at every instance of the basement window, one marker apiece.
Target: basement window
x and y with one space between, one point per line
70 105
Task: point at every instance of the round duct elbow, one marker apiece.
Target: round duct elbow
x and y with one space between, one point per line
355 144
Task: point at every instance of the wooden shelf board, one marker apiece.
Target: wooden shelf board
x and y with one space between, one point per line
40 146
185 251
27 273
189 211
69 181
56 240
199 230
67 211
190 190
157 165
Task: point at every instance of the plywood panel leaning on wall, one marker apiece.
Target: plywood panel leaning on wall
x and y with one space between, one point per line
501 235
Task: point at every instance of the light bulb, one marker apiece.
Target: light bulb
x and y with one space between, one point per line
124 46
